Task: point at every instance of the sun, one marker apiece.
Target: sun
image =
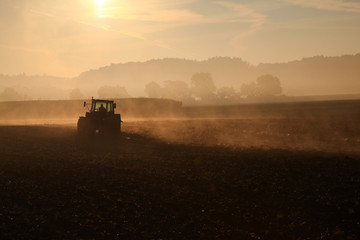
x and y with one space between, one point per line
100 3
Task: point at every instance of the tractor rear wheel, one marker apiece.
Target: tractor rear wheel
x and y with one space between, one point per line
84 127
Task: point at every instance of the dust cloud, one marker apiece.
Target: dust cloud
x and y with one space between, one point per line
325 126
330 126
296 134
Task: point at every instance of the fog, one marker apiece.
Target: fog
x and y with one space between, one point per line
311 103
327 126
72 109
212 119
215 81
116 49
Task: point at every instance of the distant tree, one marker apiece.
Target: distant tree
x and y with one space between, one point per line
202 86
265 86
226 93
153 90
177 90
249 90
76 94
10 94
269 85
112 92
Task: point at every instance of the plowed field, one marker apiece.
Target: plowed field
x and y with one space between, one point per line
188 179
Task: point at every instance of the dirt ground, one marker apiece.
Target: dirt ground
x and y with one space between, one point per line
54 185
263 178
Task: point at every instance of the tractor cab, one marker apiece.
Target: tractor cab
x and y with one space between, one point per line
98 105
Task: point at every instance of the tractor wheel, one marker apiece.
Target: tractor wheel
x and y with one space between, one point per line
112 129
84 127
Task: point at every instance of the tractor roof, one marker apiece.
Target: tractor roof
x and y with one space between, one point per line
102 100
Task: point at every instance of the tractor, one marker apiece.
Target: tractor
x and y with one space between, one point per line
100 118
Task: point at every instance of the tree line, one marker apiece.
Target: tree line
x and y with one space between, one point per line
201 90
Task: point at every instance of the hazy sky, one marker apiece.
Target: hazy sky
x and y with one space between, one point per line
66 37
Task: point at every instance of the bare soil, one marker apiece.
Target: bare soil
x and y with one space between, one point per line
190 184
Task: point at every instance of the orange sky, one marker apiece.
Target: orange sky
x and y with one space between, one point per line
66 37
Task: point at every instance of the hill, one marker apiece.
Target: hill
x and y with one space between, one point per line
309 76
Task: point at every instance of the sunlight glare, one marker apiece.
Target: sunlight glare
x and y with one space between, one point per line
100 3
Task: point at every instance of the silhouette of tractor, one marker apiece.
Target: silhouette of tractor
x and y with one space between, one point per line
101 118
